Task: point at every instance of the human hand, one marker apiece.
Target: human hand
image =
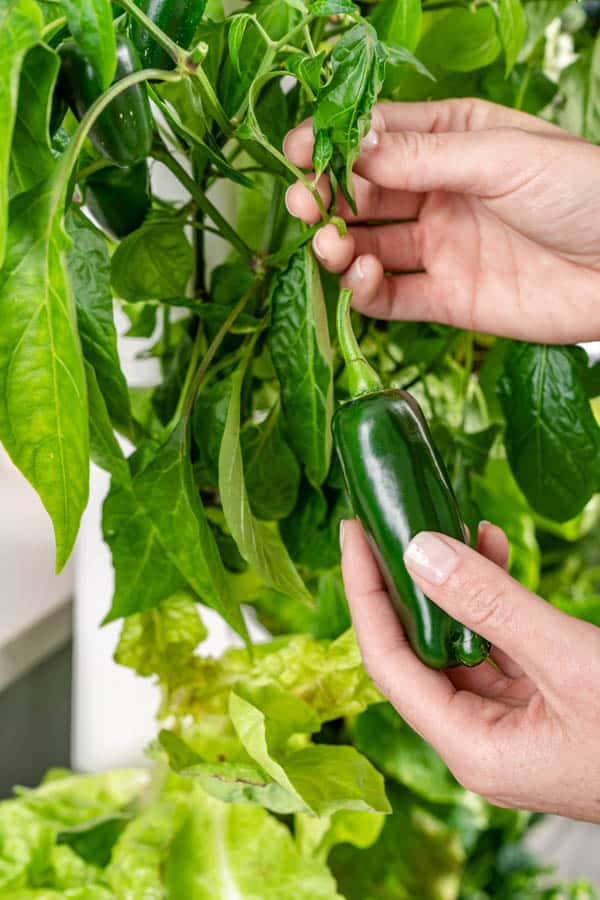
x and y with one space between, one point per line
526 737
504 230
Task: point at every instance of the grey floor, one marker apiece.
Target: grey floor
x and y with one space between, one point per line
35 722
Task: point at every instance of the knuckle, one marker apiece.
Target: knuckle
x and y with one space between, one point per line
486 603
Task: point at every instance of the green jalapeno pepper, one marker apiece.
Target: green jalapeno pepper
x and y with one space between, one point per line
123 132
179 19
118 198
398 487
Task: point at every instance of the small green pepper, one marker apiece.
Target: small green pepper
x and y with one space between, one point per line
179 19
118 198
398 487
123 132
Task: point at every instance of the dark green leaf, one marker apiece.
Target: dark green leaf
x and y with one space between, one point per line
398 22
259 543
552 438
400 753
271 469
91 24
311 532
513 27
20 28
89 272
31 158
302 356
591 380
153 263
343 106
208 423
43 405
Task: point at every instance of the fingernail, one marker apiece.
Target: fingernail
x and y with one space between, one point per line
430 557
317 241
483 524
285 142
287 197
370 140
356 273
342 524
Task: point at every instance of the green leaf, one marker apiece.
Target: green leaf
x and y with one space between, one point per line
136 871
271 470
579 86
322 152
398 22
161 641
462 40
208 423
302 356
104 447
500 501
311 532
343 107
235 36
43 404
20 28
307 69
538 15
325 779
258 543
316 837
239 850
153 263
513 27
175 521
552 438
231 782
400 753
31 158
89 272
91 24
333 8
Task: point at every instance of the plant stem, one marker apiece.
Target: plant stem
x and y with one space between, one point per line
362 378
308 39
177 53
95 166
52 28
192 392
208 208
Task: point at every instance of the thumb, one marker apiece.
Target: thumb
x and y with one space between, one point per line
482 596
484 163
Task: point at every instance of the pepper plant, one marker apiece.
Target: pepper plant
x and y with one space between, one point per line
278 772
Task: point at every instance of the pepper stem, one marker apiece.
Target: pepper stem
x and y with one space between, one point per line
362 378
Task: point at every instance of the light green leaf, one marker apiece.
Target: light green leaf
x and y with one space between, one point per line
162 640
91 24
316 837
153 263
513 27
259 543
20 28
324 778
89 272
302 356
228 850
104 447
579 87
538 15
398 22
271 469
43 404
235 36
136 870
31 159
462 40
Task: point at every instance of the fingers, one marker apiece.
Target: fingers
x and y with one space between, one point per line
372 202
422 696
413 297
481 595
398 247
493 544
